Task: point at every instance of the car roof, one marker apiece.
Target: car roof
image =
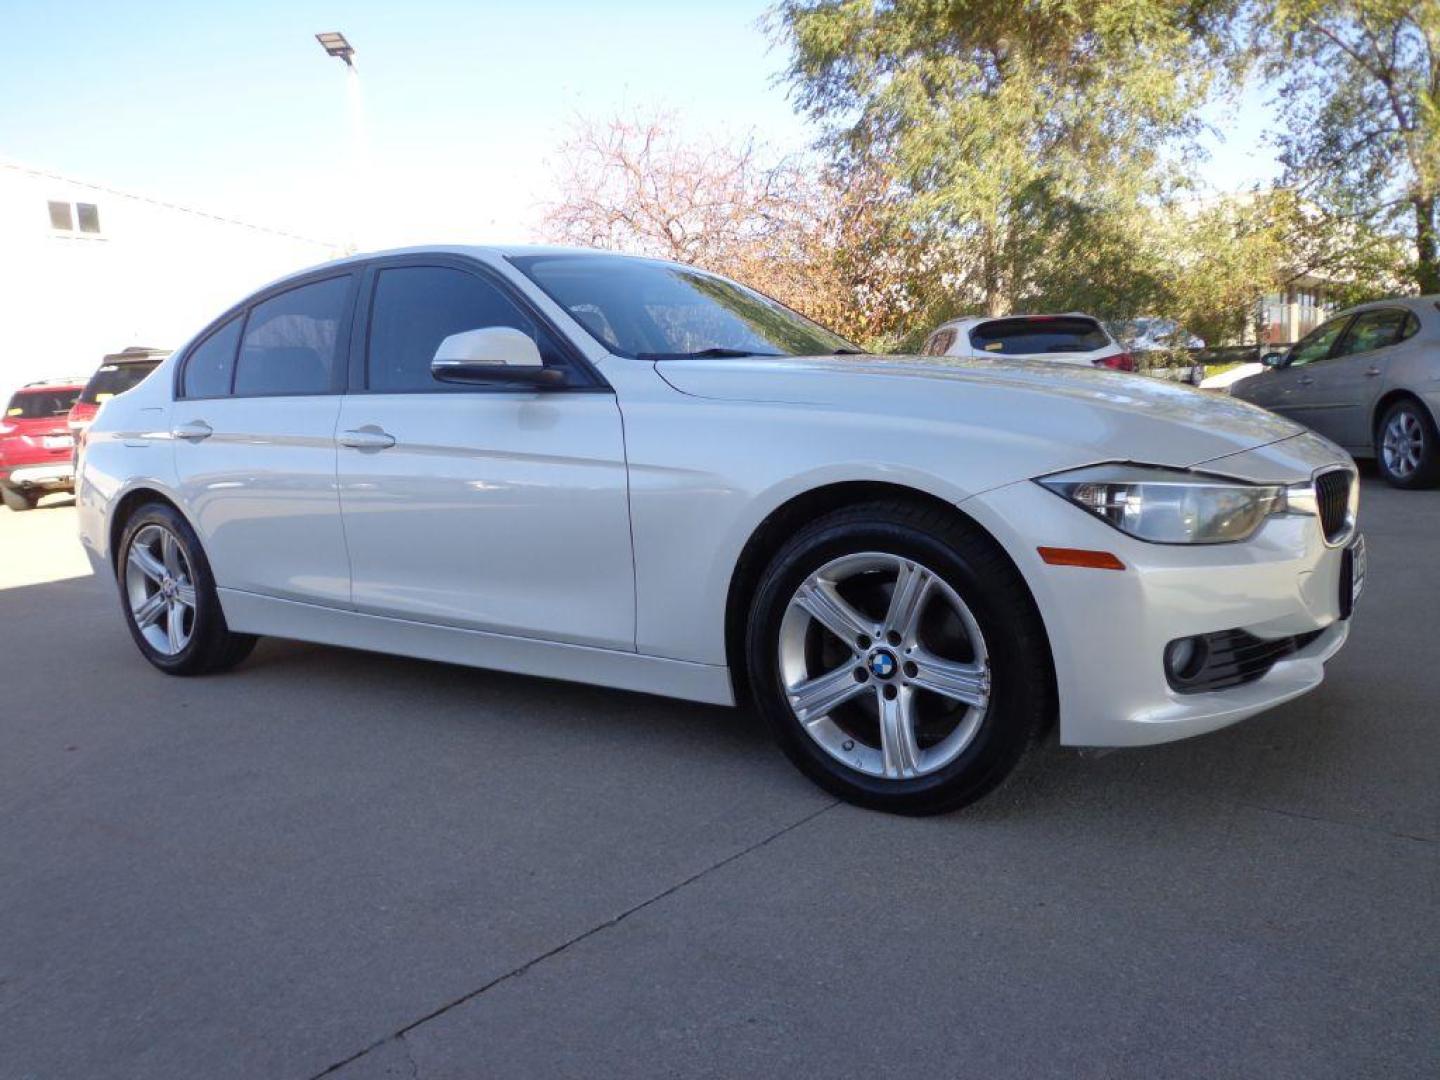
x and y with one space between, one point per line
975 320
51 384
1428 303
484 252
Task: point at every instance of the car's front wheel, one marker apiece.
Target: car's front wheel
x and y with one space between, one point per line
1407 447
168 596
898 657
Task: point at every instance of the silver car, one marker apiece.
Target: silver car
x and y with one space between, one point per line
1369 379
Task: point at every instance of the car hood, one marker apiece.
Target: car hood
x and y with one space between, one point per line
1052 416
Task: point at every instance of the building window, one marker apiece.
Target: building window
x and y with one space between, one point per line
88 215
60 216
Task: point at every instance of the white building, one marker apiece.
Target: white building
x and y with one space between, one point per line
86 270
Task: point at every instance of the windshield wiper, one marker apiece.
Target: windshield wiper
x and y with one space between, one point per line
700 354
847 352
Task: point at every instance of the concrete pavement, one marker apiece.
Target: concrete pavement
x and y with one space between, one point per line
333 863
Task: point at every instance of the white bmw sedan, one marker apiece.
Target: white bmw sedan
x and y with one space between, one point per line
635 474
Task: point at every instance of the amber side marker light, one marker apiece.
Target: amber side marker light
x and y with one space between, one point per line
1095 560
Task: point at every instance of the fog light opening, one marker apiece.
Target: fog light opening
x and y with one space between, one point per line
1185 658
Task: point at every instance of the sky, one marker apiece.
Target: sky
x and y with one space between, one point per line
234 108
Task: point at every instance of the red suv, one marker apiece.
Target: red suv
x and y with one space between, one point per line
35 443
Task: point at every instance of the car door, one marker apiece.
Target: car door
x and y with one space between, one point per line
1290 388
498 507
253 430
1350 381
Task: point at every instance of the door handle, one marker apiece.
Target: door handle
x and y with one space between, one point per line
195 431
1372 371
1305 380
368 437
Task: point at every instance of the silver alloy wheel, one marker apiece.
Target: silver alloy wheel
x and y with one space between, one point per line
1403 444
160 587
877 683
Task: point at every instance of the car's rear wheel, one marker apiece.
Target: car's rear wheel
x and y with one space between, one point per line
1407 447
168 596
18 501
899 658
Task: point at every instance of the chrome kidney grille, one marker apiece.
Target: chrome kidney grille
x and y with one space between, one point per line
1336 494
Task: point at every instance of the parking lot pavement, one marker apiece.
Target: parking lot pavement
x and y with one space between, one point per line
329 860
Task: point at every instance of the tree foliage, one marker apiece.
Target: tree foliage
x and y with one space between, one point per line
829 247
1026 137
1360 91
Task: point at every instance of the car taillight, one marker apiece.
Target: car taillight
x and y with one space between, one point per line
1120 362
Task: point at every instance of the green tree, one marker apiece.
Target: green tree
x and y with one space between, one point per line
1360 95
1027 138
1218 260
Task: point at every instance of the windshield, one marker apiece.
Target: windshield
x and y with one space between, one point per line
114 379
41 404
660 311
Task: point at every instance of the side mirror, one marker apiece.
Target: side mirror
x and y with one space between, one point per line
1272 359
494 354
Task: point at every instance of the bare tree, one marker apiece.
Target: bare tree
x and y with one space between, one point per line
786 227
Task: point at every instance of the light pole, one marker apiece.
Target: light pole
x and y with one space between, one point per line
336 45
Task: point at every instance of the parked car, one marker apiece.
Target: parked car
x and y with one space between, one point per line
1227 379
1151 334
35 444
1370 380
1071 338
636 474
117 373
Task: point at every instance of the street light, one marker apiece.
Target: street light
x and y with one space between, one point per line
336 45
357 184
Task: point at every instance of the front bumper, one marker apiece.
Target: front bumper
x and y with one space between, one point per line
1108 629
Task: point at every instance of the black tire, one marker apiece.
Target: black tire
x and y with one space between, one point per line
1427 473
18 501
212 647
1022 674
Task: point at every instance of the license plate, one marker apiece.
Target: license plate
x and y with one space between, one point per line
1352 576
58 442
1358 560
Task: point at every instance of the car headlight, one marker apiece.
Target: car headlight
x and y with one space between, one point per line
1173 506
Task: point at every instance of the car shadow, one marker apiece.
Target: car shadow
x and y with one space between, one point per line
1353 750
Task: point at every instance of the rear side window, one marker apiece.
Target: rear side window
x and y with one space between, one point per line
211 364
1020 336
291 340
1374 330
40 404
417 307
114 379
939 343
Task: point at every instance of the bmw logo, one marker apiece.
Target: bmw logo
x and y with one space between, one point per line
882 664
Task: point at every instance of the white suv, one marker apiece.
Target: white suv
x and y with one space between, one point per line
1071 338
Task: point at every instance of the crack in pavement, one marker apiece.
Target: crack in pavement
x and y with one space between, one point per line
399 1035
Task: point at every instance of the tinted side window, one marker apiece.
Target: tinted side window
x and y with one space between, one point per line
1316 345
211 363
291 339
417 307
1373 330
